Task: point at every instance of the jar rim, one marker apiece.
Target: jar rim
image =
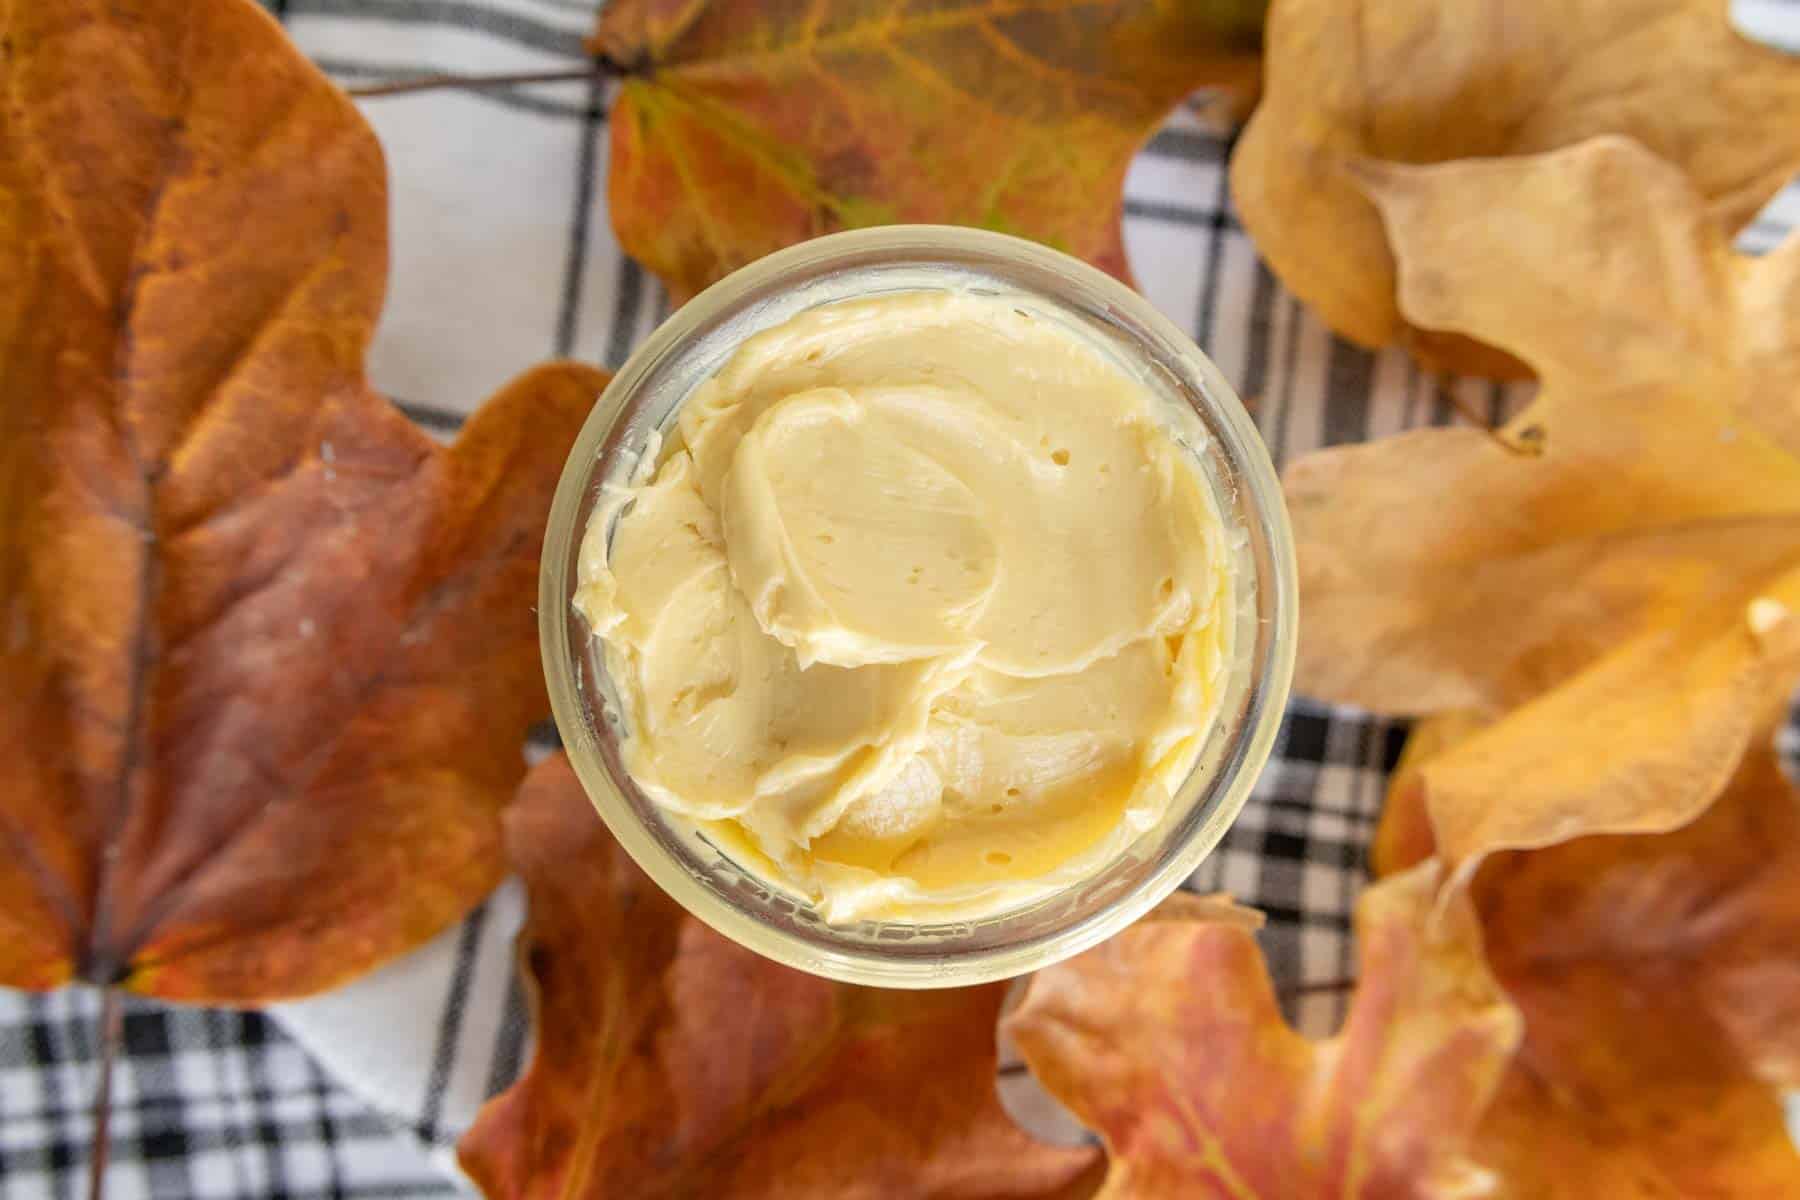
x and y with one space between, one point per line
600 444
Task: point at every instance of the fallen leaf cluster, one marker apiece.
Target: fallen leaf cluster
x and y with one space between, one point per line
1660 990
1417 81
1595 609
1610 579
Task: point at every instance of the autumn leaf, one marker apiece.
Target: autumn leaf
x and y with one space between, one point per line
742 127
1617 601
1419 81
1717 899
1168 1040
671 1061
1403 836
1660 989
268 654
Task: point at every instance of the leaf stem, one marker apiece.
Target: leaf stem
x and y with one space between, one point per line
1530 443
112 1018
598 68
1467 411
1318 987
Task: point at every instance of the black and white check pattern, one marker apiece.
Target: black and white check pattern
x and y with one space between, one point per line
503 256
207 1103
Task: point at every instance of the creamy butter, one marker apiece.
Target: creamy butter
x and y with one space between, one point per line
923 613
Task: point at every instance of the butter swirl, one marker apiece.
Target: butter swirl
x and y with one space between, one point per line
923 614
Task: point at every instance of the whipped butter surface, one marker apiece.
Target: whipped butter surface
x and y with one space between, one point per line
923 614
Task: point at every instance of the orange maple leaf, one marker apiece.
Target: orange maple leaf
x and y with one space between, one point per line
1168 1040
265 648
744 127
671 1061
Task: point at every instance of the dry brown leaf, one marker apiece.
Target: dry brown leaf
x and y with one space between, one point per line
265 649
1623 596
1420 81
1213 906
672 1062
1168 1040
1403 837
1660 987
1659 978
743 127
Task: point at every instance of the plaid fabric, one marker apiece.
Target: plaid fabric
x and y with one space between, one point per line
502 256
207 1103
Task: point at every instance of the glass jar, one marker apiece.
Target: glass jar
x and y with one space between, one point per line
1204 414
